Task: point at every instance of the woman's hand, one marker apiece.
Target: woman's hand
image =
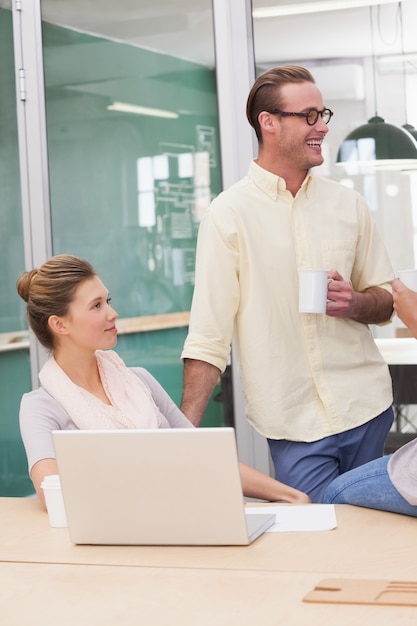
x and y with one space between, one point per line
405 304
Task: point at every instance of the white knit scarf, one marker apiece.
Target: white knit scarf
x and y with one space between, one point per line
132 405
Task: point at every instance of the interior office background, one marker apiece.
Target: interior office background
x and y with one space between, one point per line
119 122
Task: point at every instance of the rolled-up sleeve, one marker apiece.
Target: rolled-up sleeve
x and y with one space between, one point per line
216 293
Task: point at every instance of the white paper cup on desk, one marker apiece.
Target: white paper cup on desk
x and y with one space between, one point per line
312 291
51 486
409 278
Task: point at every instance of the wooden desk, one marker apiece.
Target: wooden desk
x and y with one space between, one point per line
372 543
398 351
45 578
76 595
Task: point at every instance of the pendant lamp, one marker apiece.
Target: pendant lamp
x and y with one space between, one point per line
408 127
378 145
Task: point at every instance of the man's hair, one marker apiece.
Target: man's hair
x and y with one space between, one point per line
265 94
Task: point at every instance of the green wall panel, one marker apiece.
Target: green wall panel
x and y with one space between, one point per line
95 155
14 381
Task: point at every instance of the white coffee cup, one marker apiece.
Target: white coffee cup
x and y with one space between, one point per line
312 290
409 278
51 486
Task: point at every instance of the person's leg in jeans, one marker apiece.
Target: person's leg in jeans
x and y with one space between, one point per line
368 486
311 466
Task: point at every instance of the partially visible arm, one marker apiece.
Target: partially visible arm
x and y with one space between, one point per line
45 467
39 415
258 485
405 304
200 379
372 306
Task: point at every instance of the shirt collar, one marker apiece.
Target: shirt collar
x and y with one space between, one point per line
270 183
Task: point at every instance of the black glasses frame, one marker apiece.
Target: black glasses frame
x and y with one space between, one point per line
311 116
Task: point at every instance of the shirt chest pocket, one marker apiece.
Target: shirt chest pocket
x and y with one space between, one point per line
339 254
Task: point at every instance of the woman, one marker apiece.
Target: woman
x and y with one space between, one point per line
84 384
388 483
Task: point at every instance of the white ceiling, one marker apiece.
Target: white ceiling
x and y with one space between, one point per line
184 28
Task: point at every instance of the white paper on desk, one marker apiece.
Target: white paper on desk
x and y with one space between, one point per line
295 517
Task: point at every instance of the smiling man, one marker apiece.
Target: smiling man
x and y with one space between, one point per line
315 386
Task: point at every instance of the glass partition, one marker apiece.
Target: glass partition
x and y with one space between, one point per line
14 352
133 161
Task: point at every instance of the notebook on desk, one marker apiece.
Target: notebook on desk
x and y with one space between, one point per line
154 487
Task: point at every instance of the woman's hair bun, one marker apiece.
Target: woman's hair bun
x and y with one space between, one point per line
23 284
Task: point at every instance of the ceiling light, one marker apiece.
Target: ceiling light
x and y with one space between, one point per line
124 107
410 129
313 7
377 145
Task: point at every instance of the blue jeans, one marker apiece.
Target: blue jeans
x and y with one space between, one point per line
368 486
311 466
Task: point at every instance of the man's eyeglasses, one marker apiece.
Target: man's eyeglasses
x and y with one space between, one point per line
311 116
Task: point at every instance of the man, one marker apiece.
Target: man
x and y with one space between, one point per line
315 386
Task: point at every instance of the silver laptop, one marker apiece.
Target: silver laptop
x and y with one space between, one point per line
154 487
